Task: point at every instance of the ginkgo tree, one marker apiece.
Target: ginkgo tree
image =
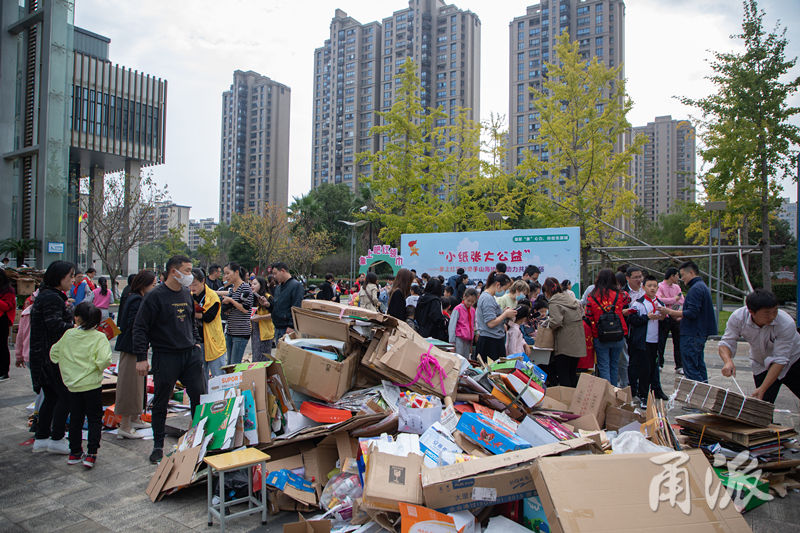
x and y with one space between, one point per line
581 176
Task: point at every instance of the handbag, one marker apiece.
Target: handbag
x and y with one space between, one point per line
545 339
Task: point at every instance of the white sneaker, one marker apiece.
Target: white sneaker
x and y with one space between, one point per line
122 434
41 445
138 424
60 446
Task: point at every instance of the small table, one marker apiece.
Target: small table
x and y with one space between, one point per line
231 461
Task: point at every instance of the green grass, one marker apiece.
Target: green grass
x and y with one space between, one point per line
723 320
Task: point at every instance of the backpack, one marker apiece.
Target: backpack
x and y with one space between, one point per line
609 325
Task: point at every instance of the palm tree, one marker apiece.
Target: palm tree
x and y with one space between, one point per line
18 247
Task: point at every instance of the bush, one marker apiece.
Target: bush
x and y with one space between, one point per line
785 292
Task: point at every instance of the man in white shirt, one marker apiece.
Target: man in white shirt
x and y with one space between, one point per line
774 345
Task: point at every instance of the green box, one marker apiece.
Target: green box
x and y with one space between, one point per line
742 486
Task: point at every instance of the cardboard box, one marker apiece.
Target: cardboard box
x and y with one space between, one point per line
307 526
617 417
560 394
450 487
610 493
489 434
391 479
349 311
591 397
319 461
533 516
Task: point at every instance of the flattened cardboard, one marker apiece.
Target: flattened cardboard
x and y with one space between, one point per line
482 490
318 461
156 485
391 479
184 465
613 495
617 417
591 396
349 311
586 423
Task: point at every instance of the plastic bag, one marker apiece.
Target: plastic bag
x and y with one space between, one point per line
340 493
635 442
413 419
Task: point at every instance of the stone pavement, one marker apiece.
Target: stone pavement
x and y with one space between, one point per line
41 493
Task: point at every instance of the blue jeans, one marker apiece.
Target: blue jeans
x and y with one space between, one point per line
607 354
694 358
623 377
279 333
236 346
214 368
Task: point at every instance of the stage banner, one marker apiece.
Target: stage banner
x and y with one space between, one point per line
556 251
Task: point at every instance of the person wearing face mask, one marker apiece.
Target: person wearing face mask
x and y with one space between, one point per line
166 323
518 291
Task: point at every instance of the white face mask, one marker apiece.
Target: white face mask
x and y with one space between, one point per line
184 279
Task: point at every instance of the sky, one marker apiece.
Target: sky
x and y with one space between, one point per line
197 45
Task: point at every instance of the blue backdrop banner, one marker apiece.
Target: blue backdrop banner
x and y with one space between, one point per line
556 251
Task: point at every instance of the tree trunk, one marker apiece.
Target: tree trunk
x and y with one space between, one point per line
765 236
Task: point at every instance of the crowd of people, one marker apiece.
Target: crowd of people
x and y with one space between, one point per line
187 324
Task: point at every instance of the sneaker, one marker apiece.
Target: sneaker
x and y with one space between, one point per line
4 377
138 424
74 459
122 434
60 446
89 460
157 455
679 371
41 445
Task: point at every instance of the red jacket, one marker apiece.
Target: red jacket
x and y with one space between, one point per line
8 305
606 300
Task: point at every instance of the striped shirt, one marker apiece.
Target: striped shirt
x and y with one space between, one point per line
238 321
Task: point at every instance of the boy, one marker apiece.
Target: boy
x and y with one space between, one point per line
643 338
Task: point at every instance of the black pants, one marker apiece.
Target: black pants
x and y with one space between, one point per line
169 367
5 355
791 380
673 326
491 347
89 405
563 370
642 363
54 410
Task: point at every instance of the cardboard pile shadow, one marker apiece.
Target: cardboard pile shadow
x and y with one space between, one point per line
377 428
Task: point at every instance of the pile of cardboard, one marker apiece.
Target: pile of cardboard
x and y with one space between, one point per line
374 425
724 402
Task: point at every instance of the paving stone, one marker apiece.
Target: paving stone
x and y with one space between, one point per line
87 526
53 520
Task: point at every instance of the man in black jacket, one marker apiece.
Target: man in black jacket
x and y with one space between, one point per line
166 323
288 294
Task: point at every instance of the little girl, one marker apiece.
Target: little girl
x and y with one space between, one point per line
461 329
515 342
263 328
82 354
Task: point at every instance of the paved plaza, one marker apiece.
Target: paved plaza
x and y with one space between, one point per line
41 493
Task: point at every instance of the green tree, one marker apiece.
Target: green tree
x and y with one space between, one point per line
18 248
459 162
581 177
322 209
266 231
407 183
208 251
747 137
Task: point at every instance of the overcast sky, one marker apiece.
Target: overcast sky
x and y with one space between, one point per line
197 45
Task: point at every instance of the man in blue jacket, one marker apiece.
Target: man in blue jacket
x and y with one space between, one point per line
697 322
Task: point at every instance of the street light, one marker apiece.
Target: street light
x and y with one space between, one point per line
718 206
353 226
495 217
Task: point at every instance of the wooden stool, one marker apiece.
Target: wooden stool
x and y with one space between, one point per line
231 461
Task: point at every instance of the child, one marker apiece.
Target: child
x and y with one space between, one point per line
82 354
413 298
23 350
515 342
448 292
410 317
643 340
262 335
461 330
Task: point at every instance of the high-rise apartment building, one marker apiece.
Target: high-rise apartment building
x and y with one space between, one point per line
168 216
254 161
599 28
664 173
195 241
354 77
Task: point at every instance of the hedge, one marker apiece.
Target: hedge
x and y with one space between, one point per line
785 292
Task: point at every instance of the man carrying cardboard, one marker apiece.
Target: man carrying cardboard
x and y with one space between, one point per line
697 324
288 294
166 322
774 345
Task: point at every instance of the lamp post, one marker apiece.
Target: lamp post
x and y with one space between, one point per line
718 206
353 226
496 217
